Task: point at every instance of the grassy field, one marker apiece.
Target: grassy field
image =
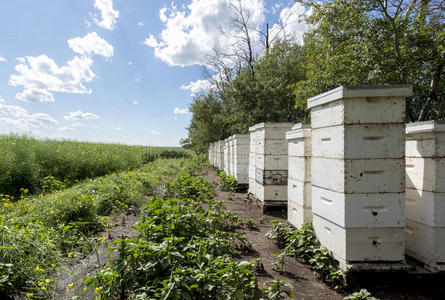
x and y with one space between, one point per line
39 233
32 166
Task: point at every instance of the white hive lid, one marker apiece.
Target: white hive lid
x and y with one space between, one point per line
270 125
241 136
427 126
360 91
297 131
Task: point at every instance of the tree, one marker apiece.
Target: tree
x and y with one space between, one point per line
207 124
378 42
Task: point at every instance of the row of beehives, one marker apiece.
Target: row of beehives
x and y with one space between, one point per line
346 173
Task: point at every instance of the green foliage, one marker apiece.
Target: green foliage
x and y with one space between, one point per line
279 289
377 42
363 294
38 232
303 243
44 166
184 251
266 95
227 182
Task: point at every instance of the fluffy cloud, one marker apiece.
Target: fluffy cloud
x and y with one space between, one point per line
140 24
181 111
2 100
154 132
78 124
108 14
40 76
117 128
197 86
16 117
68 129
2 59
291 23
91 44
79 115
191 34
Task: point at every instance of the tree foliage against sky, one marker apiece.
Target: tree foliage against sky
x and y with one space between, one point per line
355 42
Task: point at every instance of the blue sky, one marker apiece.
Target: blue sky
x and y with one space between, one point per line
113 70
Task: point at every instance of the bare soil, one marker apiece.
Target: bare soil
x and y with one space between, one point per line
393 285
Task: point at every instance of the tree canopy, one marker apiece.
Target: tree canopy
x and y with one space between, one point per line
355 42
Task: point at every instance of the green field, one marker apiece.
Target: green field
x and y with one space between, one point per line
30 166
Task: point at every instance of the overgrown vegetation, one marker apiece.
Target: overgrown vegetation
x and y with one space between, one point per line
227 182
302 243
30 166
184 251
37 233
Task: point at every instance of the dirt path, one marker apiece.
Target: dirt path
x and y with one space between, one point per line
306 286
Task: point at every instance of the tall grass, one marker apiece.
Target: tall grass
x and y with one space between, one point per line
26 163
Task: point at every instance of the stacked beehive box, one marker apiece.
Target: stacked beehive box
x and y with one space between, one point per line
220 155
270 161
425 193
211 154
241 158
253 137
357 169
299 208
232 155
226 156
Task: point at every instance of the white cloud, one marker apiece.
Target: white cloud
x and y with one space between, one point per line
2 59
108 14
135 102
181 111
2 100
78 124
291 23
67 129
151 41
118 128
191 34
40 76
79 115
91 44
197 86
154 132
17 117
140 24
130 63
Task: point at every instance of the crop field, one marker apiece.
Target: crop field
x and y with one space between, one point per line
31 166
37 233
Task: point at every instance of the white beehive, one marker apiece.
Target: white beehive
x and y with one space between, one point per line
241 158
221 155
226 156
268 163
299 175
357 172
425 193
231 157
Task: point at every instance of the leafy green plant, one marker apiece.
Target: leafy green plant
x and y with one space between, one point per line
363 294
184 250
227 182
303 243
279 289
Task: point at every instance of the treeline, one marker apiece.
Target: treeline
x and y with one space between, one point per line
356 42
